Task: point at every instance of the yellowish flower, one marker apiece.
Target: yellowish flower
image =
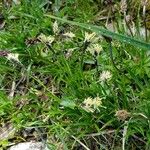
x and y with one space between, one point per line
89 37
55 27
116 44
91 104
123 6
95 48
12 56
69 34
69 52
88 102
105 75
46 39
97 101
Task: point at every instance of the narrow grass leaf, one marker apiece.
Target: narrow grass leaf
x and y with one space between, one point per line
102 31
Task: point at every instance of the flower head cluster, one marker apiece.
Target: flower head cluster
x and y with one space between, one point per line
123 6
95 48
90 37
55 27
69 35
69 52
122 114
105 75
91 104
12 56
49 39
46 39
116 44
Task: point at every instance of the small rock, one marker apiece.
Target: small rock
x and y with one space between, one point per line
29 146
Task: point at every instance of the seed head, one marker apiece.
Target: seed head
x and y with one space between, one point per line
122 114
12 56
105 75
55 27
91 104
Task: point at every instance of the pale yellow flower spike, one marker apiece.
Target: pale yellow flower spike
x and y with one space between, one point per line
105 75
69 34
98 48
12 56
46 39
89 37
97 102
91 104
95 48
88 102
55 27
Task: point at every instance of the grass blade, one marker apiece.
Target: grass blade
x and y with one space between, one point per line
102 31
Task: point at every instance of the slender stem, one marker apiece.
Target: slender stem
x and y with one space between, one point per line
85 45
52 50
120 71
111 56
128 25
96 63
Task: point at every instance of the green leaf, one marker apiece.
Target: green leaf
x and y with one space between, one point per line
102 31
68 103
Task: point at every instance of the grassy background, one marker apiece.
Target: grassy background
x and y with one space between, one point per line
50 87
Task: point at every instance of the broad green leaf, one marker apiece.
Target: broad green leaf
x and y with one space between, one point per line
102 31
68 103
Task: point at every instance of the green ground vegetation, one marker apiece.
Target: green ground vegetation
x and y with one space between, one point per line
85 89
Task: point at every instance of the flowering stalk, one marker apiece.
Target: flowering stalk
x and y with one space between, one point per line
96 63
85 46
127 23
48 40
89 38
53 51
109 41
92 104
